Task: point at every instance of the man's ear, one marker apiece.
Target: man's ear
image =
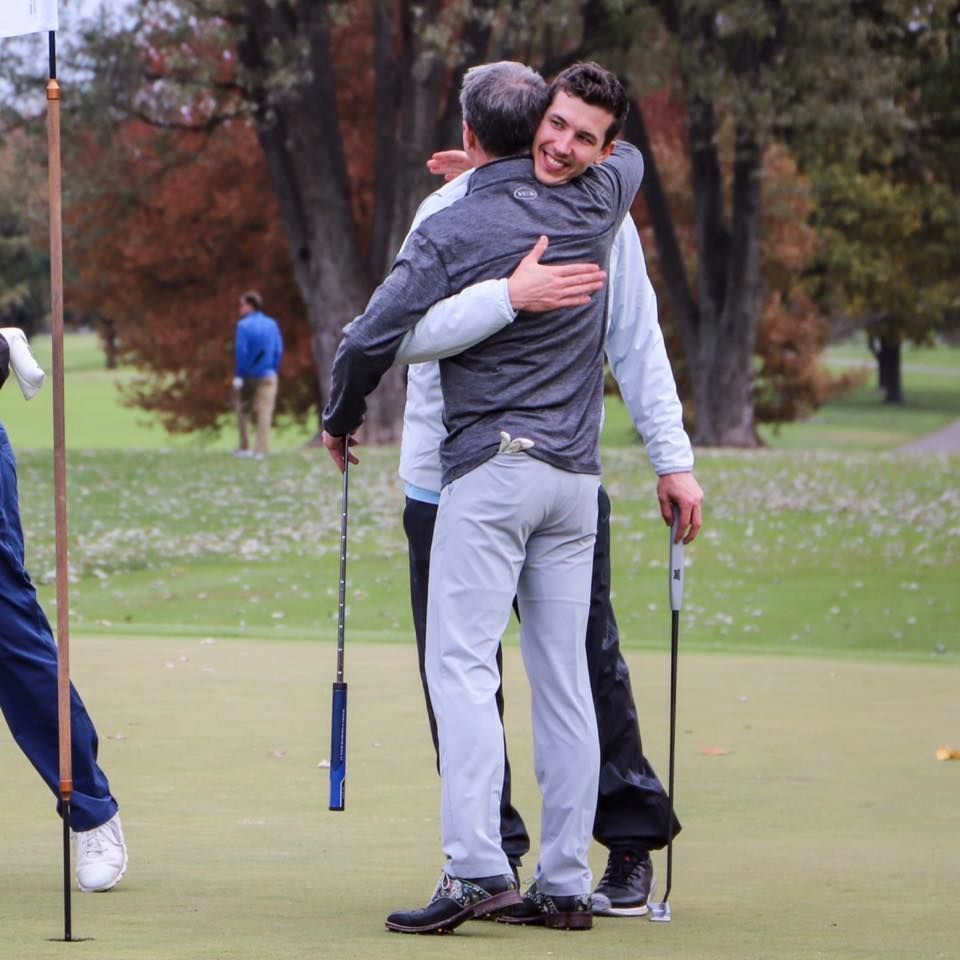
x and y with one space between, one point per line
605 152
469 138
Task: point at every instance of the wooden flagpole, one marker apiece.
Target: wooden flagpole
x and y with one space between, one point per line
60 474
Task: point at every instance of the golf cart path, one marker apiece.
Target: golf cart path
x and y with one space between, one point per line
946 440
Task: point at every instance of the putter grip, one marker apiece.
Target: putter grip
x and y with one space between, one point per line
338 746
676 565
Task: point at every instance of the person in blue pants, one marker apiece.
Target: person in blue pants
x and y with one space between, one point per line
28 694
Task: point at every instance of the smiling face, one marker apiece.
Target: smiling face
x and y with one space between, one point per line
570 137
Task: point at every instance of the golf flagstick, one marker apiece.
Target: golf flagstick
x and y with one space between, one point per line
660 912
60 475
338 724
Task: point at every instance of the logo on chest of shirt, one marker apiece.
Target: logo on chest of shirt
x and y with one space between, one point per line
525 193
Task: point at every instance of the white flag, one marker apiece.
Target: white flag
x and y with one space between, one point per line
27 16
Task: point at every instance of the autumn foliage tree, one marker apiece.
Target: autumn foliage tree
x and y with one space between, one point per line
347 100
750 75
790 381
163 268
345 103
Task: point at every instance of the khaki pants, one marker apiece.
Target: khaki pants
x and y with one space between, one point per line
255 403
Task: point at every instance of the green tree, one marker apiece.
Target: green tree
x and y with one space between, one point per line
889 211
891 245
749 73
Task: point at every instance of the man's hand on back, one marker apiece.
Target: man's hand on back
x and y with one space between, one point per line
449 164
537 287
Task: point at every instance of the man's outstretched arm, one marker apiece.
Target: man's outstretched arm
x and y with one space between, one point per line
369 342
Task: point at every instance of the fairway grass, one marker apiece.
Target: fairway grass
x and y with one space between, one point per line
858 420
96 418
818 823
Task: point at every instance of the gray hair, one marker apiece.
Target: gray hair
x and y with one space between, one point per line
503 104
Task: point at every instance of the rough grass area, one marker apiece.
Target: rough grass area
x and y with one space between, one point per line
817 822
853 554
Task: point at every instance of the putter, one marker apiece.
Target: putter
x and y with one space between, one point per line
338 725
660 912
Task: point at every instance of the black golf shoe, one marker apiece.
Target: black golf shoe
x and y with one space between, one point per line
626 886
545 910
456 900
515 865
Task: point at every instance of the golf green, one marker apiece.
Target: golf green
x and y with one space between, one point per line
818 822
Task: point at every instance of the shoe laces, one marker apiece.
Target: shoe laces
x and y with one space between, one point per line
92 842
620 867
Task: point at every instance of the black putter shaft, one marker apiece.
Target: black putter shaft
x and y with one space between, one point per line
674 648
338 725
661 911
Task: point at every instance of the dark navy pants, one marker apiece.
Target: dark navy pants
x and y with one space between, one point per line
632 805
28 672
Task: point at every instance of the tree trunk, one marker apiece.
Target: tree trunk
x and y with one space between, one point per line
889 370
294 118
298 128
107 331
719 327
731 419
671 258
873 344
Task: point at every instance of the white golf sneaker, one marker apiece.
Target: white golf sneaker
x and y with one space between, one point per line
101 856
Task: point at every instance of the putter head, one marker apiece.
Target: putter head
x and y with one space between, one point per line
660 912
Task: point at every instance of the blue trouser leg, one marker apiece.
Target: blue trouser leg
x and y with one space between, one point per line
28 673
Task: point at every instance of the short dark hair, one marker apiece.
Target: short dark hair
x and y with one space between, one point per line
253 299
596 85
503 104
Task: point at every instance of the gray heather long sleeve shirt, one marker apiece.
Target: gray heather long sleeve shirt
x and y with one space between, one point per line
541 377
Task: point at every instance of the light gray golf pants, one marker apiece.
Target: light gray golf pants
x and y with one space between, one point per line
514 526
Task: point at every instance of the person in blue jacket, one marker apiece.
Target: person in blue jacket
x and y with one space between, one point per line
258 350
28 673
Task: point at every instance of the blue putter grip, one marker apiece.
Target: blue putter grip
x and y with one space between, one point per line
676 564
338 746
